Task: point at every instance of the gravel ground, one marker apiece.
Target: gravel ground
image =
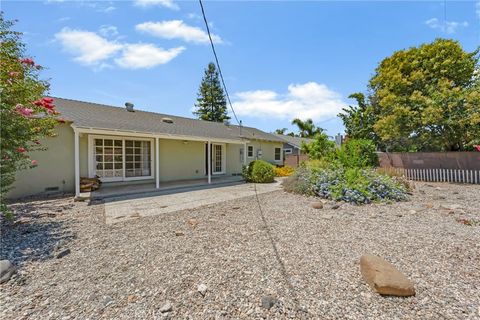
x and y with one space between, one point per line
306 260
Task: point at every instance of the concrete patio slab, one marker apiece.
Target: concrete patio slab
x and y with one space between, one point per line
119 209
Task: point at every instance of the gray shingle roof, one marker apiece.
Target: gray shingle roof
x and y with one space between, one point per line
294 141
99 116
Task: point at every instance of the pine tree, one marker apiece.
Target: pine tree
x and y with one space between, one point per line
211 104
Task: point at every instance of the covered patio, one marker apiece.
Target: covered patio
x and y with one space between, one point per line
151 189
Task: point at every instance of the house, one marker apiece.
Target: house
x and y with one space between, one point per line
293 145
127 146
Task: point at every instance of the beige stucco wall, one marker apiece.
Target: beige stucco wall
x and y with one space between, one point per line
181 161
56 166
268 151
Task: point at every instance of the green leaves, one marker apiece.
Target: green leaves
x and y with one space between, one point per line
211 104
421 99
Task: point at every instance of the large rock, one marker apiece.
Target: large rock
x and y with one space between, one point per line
7 269
384 278
317 205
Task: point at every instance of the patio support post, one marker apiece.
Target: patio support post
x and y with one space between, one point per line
77 163
245 154
157 163
209 161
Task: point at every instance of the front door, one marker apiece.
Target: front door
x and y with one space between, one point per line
217 158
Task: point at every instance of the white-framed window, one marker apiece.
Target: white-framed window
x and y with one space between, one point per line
250 151
278 154
115 158
288 151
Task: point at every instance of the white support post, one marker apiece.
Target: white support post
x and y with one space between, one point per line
209 161
157 163
77 163
245 154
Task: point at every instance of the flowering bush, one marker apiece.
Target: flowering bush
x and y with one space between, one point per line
355 185
284 171
26 114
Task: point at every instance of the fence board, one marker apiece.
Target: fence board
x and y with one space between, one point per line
437 175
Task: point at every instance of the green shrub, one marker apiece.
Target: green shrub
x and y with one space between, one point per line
259 171
357 153
355 185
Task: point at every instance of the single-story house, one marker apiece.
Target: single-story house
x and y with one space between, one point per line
127 146
293 145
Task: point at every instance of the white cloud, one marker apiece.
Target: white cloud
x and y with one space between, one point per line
176 29
309 100
108 30
163 3
88 47
449 27
137 56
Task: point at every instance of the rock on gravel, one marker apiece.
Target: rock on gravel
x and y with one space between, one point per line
384 278
63 253
317 205
7 269
202 288
268 302
167 307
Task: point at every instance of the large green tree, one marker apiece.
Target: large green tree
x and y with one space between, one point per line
26 115
425 98
359 119
211 104
307 129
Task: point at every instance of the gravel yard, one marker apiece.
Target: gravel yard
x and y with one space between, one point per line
305 259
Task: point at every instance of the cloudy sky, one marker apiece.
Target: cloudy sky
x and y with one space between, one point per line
280 59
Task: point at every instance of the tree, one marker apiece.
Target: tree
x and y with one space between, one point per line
211 104
307 128
319 148
281 131
359 120
427 98
26 115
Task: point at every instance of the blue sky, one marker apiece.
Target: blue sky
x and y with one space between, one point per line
280 59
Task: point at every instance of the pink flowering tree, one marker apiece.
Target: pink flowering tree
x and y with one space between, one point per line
27 115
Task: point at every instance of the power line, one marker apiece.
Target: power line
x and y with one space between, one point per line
218 64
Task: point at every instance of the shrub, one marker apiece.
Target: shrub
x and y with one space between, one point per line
357 153
355 185
284 171
259 171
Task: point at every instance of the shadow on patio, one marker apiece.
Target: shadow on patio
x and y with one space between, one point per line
116 192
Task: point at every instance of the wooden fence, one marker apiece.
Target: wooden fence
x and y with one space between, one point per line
436 175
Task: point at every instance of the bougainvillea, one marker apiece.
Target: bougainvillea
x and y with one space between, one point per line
26 114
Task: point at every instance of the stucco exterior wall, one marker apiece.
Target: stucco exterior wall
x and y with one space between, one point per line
56 166
268 151
181 161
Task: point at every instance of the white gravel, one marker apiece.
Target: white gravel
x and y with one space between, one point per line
303 260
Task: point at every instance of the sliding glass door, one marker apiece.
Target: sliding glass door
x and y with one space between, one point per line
120 159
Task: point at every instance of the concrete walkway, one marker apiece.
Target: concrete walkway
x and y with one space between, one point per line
134 207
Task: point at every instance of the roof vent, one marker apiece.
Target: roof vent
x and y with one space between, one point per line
129 106
167 120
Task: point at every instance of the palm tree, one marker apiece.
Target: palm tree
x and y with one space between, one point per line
307 128
281 131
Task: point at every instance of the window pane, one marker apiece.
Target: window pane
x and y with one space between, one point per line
138 143
128 143
98 150
108 158
129 165
99 158
99 166
98 142
108 142
118 143
108 166
118 151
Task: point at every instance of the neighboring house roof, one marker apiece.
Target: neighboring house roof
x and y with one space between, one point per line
99 116
294 141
